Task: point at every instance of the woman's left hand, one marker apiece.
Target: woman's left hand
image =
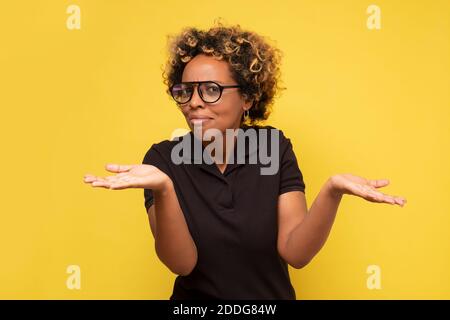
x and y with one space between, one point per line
364 188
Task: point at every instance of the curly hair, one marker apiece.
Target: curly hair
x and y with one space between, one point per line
253 62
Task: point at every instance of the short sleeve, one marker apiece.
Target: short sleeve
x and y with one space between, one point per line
291 177
153 157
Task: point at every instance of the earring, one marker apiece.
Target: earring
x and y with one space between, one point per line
246 114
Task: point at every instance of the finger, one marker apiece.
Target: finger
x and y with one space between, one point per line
118 167
377 196
88 179
379 183
91 178
99 183
369 193
400 201
380 197
385 198
120 185
394 200
389 199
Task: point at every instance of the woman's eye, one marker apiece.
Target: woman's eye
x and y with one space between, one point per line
212 89
185 92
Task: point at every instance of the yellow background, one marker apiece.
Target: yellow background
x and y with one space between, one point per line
369 102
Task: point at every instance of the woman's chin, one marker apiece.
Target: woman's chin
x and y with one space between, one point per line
201 125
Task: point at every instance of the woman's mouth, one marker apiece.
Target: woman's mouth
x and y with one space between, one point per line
199 120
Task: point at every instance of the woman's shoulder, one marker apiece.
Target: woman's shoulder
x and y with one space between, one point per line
273 131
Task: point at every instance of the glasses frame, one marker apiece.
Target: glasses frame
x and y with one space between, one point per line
221 87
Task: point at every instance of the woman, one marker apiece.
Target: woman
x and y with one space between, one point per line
228 230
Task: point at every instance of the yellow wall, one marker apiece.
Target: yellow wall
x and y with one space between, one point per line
370 102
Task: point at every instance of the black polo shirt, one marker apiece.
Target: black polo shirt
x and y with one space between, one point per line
232 218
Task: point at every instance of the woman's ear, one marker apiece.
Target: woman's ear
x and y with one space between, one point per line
250 104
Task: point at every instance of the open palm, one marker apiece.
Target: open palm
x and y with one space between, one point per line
129 176
365 188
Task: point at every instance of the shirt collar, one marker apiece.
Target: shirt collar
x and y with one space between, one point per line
196 158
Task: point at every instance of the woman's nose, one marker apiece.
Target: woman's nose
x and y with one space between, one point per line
196 101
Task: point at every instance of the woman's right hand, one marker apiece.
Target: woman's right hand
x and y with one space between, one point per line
130 176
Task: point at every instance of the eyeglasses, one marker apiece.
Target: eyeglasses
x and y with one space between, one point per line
209 91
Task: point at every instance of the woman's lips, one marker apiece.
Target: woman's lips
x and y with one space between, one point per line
199 120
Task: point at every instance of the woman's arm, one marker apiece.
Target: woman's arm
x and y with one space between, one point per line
308 237
173 242
304 240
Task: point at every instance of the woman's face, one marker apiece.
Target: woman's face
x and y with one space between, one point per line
226 113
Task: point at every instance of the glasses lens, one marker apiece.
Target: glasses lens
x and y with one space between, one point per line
210 91
182 92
